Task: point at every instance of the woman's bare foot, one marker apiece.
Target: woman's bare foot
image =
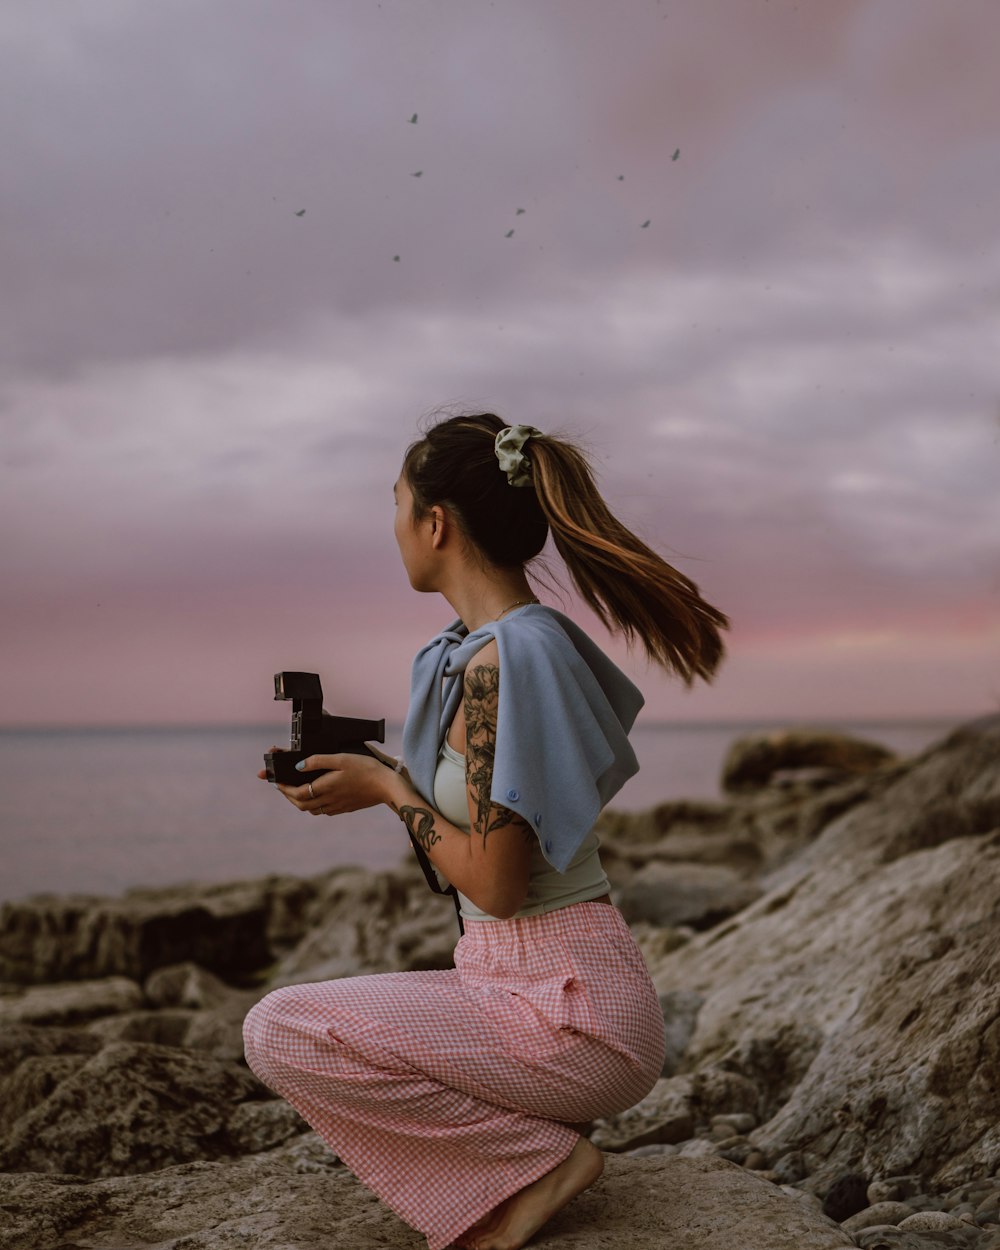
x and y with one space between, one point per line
487 1224
522 1215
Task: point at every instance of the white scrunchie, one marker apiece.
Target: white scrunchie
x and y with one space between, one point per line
513 461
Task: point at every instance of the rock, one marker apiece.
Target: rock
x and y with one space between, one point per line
697 894
697 1148
24 1041
680 1015
789 1167
257 1126
845 1197
666 1114
893 1189
131 1108
369 923
70 1002
738 1122
879 1213
719 1091
736 1150
164 1028
184 985
676 818
31 1083
673 1107
266 1202
79 937
929 1221
752 760
219 1031
882 1237
859 993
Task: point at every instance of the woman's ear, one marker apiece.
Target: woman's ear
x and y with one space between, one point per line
438 525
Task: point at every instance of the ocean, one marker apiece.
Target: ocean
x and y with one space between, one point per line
97 811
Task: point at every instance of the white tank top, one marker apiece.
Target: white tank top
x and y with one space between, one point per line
547 889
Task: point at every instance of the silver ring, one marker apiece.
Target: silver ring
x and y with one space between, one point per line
311 792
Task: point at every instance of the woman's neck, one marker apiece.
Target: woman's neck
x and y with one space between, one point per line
481 600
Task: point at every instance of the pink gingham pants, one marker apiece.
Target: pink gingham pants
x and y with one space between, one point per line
446 1092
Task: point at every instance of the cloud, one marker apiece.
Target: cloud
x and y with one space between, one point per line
787 383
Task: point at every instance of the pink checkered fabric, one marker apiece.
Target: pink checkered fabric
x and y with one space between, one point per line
446 1092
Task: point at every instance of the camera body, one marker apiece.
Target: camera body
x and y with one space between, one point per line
315 732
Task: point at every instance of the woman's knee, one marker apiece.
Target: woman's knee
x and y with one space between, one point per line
263 1026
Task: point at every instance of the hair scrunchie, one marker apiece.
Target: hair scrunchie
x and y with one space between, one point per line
513 461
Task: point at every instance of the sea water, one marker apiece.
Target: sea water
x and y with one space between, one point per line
97 811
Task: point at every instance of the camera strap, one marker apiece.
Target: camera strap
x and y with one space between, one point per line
430 876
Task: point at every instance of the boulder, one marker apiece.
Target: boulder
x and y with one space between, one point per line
69 1002
859 993
25 1041
290 1197
132 1107
184 985
674 1107
78 937
371 922
680 1014
699 895
752 761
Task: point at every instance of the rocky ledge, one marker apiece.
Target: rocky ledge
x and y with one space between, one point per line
826 942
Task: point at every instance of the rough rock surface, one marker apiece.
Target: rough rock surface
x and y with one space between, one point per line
130 1108
268 1201
699 895
859 993
69 1002
753 760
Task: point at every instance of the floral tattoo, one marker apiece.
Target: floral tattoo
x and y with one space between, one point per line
482 696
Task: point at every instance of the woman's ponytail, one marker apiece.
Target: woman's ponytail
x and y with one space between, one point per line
632 589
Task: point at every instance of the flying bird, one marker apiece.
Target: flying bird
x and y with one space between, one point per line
301 213
520 211
644 225
413 120
621 177
395 258
417 174
508 234
676 154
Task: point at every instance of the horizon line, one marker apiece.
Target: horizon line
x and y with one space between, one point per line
652 723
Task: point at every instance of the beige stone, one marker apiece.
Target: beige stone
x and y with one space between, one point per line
280 1200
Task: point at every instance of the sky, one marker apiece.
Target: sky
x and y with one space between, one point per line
248 248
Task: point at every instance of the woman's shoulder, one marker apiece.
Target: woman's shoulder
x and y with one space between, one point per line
487 656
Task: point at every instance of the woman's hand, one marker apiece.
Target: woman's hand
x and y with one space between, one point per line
348 784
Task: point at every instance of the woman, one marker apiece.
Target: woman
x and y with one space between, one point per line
462 1097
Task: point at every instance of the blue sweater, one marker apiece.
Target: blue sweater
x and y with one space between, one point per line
564 713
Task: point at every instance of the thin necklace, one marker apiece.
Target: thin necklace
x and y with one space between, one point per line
516 604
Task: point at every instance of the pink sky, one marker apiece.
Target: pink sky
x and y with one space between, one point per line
787 380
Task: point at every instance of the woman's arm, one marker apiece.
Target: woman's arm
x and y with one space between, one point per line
489 864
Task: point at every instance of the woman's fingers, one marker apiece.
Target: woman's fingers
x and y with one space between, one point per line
320 763
263 772
310 796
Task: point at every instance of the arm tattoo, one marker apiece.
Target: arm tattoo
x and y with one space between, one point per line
419 824
482 696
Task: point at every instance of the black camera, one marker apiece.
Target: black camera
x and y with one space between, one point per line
315 732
